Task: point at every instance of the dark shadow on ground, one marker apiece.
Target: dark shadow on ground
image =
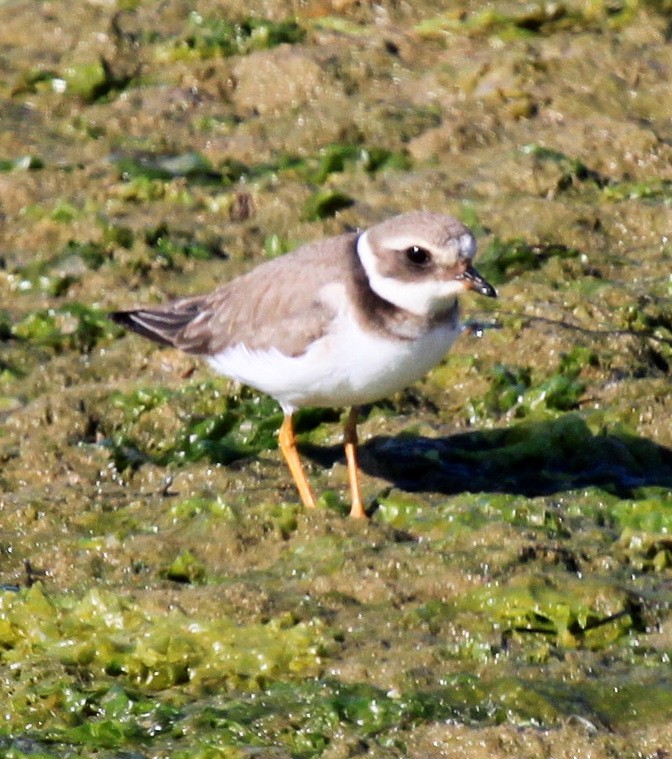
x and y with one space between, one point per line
530 459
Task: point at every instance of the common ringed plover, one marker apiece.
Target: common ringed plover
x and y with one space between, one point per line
338 322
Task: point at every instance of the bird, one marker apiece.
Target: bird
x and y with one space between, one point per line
338 322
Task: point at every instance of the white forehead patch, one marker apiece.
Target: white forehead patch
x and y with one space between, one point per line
422 298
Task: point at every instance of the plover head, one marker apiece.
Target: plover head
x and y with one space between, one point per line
421 261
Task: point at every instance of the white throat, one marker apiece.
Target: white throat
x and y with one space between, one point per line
422 298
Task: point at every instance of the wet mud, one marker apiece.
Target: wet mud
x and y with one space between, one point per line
163 594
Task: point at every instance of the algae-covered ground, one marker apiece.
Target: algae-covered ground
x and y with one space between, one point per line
162 592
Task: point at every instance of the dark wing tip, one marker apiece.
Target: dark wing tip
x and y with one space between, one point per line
154 325
166 325
124 318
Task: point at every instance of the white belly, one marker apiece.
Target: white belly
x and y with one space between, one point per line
346 367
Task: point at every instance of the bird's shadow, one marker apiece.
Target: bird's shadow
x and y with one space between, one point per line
530 459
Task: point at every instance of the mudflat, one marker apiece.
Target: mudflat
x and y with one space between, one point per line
162 592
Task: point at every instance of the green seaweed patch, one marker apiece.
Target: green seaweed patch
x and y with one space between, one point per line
567 447
639 698
88 80
95 81
341 25
5 325
74 326
566 610
93 254
191 166
22 163
326 203
95 718
514 390
241 431
574 171
275 245
35 80
198 506
540 19
644 189
645 542
233 170
195 168
64 212
646 552
174 245
194 423
651 510
50 275
652 320
338 157
185 568
217 122
114 234
332 159
322 708
536 457
503 260
242 724
447 521
122 650
469 216
212 36
146 190
453 522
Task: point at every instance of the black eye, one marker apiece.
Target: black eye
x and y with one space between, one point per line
417 256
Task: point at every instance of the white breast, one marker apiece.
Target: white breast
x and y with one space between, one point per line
349 366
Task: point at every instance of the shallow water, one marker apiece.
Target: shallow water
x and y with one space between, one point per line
162 592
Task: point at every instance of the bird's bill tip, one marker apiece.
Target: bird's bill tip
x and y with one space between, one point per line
472 280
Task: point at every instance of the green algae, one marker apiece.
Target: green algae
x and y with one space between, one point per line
564 610
653 189
534 457
639 529
191 166
64 212
573 170
185 568
115 640
194 423
22 163
130 652
332 159
93 254
114 655
510 590
151 428
512 390
337 158
95 80
321 711
75 326
207 36
175 245
326 203
527 22
504 259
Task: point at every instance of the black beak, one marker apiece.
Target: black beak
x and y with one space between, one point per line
474 281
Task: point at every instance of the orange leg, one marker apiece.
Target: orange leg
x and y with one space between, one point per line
350 440
287 443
